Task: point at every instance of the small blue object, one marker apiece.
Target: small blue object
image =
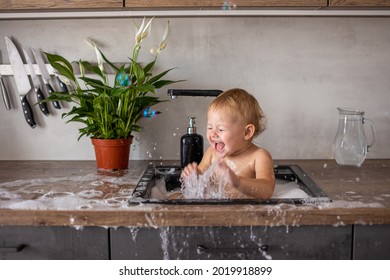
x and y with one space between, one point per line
148 113
123 79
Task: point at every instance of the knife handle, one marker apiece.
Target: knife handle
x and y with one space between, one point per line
27 111
5 94
50 90
63 87
42 105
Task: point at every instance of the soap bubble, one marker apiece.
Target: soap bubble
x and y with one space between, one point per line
97 183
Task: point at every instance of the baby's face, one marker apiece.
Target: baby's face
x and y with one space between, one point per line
225 133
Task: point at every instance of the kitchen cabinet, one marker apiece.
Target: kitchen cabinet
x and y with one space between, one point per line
220 4
60 4
372 242
359 3
366 242
40 243
280 242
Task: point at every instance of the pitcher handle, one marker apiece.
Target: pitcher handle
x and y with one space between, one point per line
373 131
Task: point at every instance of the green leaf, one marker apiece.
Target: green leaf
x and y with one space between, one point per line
61 65
147 101
97 84
138 72
145 88
149 67
55 58
109 62
89 67
161 83
159 76
57 96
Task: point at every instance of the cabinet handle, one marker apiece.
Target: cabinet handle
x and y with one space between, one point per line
201 249
16 249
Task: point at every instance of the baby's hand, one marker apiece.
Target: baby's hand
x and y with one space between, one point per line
191 167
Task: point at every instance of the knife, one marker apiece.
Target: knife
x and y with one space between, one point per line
36 85
45 75
63 87
21 79
5 94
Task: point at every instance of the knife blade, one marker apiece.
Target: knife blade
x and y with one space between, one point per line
45 75
4 92
36 85
21 78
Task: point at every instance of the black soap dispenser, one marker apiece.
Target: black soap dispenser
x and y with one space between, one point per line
191 145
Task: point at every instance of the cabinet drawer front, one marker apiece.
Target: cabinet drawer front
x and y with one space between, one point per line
372 242
31 243
305 242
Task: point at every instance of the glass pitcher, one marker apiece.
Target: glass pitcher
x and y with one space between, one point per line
350 144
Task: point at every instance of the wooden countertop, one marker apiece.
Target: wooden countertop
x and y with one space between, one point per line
360 195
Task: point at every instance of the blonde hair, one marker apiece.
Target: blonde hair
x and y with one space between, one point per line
242 103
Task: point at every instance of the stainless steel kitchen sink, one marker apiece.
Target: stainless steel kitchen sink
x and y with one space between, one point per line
170 178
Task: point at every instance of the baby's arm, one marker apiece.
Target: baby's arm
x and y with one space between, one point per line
262 186
203 165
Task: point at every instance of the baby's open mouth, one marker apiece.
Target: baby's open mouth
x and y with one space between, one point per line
218 146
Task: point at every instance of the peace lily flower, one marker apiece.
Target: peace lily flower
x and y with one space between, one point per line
143 31
163 43
112 111
98 55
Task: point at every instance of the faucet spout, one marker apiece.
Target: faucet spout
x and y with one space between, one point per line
173 93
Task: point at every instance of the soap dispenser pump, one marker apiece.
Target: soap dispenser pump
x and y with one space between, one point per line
191 145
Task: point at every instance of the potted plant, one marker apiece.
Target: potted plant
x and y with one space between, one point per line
110 112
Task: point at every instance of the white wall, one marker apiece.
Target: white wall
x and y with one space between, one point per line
300 69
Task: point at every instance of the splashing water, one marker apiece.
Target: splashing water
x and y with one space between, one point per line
210 186
259 242
204 186
164 234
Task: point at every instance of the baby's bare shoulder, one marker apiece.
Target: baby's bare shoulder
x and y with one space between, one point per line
262 156
260 152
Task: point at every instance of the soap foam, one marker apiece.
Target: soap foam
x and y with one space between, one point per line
92 191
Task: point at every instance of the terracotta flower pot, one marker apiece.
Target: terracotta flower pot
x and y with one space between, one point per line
112 154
